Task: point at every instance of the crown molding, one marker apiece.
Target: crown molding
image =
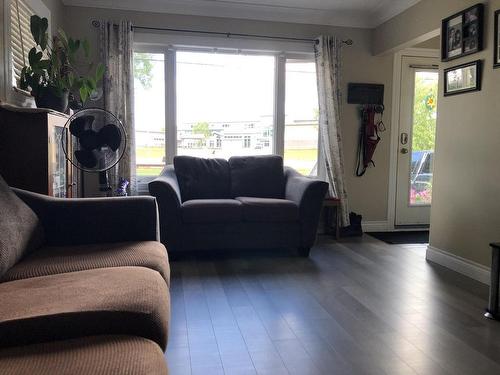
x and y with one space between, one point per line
389 9
241 10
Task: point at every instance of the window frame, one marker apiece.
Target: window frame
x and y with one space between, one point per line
7 91
168 45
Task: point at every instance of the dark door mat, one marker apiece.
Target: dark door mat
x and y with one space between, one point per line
399 238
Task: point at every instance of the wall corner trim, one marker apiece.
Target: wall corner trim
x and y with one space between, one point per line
458 264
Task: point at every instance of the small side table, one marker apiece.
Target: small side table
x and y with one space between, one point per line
330 204
493 311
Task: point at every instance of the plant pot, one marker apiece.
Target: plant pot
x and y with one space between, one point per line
47 97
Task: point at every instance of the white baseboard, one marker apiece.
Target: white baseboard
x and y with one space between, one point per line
375 226
461 265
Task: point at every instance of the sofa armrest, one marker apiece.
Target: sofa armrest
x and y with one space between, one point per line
94 220
309 194
165 189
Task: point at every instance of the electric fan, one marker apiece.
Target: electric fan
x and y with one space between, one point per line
95 142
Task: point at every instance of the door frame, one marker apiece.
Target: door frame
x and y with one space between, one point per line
396 111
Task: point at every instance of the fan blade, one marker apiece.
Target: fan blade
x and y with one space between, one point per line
89 140
111 136
86 158
78 125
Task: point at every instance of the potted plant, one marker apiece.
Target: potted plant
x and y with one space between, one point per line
58 71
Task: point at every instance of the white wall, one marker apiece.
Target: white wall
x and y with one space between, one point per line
56 8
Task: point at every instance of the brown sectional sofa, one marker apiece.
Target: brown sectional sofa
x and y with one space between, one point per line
84 285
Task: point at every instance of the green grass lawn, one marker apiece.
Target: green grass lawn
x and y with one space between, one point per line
294 154
150 152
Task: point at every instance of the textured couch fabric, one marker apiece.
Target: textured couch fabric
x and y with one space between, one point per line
257 176
269 207
94 220
211 211
202 178
94 355
20 230
242 235
90 272
51 260
120 300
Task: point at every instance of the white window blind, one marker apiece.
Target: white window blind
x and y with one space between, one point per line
21 38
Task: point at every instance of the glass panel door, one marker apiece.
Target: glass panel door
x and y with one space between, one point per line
423 137
417 131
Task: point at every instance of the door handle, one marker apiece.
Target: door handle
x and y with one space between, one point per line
404 138
404 150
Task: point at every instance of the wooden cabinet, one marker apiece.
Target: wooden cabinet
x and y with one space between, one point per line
31 153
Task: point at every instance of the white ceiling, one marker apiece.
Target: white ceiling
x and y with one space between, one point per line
355 13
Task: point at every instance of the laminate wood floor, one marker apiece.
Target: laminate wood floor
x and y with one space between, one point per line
358 306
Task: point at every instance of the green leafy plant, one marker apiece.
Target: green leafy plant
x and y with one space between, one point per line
63 67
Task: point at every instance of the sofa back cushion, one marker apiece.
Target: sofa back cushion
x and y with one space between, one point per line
257 176
20 229
202 178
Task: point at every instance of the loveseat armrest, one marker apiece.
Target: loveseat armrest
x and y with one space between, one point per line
165 188
309 194
94 220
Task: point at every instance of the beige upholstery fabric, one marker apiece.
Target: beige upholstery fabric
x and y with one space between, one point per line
119 300
20 229
52 260
95 355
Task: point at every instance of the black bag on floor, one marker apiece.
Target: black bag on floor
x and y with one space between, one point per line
355 228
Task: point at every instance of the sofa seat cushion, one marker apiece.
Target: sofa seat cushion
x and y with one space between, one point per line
120 300
268 209
257 176
20 230
212 211
200 178
94 355
50 260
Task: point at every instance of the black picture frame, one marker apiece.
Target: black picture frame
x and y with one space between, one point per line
496 51
463 85
462 33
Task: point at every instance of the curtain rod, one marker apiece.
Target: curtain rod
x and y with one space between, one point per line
347 42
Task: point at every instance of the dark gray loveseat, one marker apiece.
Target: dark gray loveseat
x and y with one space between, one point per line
243 203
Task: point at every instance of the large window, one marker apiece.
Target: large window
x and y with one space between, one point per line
149 114
21 40
210 103
224 104
301 117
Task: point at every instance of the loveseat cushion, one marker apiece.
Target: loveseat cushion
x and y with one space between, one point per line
257 176
212 211
121 300
200 178
269 209
50 260
94 355
20 230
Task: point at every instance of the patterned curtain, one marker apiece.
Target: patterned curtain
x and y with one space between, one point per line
116 47
327 52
